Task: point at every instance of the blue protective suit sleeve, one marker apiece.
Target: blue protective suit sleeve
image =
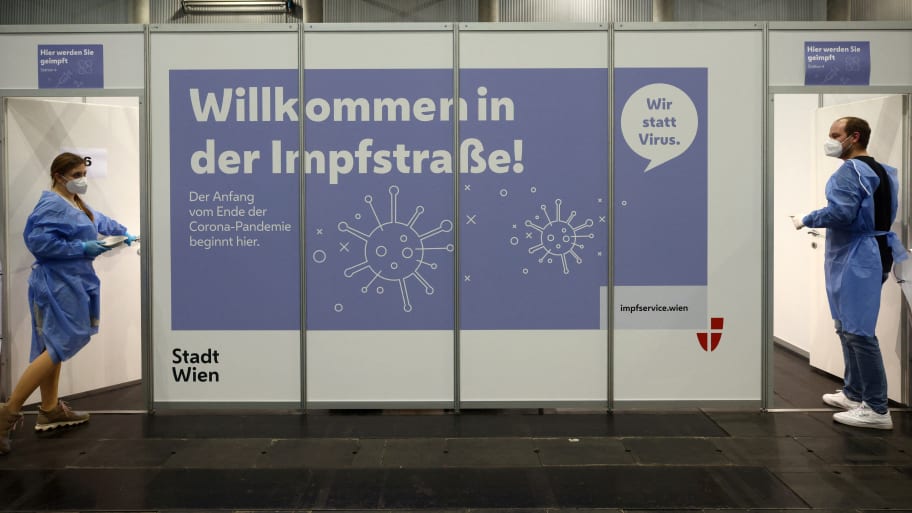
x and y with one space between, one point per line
844 196
900 253
46 238
107 226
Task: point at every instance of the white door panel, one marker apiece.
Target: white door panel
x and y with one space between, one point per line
796 276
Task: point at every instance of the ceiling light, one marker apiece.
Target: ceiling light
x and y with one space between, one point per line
237 6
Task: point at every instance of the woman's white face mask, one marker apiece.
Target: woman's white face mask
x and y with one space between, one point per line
78 185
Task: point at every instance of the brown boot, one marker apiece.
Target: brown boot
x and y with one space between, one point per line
61 416
8 422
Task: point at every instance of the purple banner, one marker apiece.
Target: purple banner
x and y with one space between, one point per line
837 63
661 165
234 200
70 66
379 199
534 233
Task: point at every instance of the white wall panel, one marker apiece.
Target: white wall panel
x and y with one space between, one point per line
363 346
124 66
889 67
259 366
532 332
664 365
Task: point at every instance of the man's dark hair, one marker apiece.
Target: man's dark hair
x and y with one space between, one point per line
861 126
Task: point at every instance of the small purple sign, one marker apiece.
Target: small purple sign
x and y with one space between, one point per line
837 63
70 66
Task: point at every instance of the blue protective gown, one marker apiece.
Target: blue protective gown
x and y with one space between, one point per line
853 268
63 289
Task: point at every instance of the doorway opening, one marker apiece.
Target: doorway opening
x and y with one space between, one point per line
106 375
807 353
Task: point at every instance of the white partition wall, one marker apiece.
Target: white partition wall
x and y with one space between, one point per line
442 216
688 165
379 165
224 189
533 215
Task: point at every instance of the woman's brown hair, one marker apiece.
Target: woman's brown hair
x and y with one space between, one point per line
63 164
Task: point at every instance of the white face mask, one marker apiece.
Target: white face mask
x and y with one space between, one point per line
833 148
78 185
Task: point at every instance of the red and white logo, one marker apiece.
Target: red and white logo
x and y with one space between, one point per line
709 341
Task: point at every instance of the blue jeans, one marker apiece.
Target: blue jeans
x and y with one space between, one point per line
865 379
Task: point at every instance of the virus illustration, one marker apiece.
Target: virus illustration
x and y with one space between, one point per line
558 238
395 251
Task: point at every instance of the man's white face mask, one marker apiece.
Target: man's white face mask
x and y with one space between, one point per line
833 148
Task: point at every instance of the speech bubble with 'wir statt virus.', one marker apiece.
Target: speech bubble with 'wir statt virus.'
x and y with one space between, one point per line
659 123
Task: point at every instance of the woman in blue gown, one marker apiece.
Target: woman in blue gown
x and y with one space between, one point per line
62 234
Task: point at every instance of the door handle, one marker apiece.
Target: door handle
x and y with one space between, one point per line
814 233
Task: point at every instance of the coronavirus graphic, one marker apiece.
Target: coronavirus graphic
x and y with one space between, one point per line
559 238
395 251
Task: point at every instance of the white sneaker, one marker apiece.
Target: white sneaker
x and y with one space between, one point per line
839 400
864 417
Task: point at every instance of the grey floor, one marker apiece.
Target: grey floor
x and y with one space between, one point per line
476 460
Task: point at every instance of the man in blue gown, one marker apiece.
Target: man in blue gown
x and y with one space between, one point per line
860 250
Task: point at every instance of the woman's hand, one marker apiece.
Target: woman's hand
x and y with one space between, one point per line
93 248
